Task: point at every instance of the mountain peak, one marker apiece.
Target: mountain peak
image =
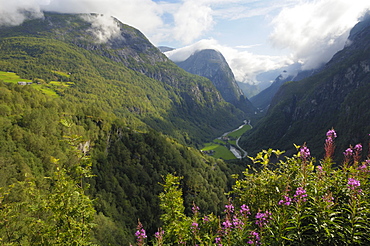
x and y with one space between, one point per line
211 64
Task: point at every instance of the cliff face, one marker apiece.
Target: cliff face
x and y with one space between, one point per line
212 65
336 96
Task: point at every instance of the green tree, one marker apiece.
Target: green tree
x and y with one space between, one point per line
60 214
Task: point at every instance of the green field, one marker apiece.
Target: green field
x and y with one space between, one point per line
11 77
219 145
49 89
220 151
239 132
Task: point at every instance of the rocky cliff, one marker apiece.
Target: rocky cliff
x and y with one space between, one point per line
211 64
336 96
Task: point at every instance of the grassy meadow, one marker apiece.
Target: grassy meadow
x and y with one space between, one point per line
219 147
50 88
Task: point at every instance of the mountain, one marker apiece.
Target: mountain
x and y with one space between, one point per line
164 97
211 64
290 73
72 89
336 96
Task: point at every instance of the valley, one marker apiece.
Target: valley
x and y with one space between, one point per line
226 147
101 139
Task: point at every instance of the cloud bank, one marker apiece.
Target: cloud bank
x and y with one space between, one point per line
315 30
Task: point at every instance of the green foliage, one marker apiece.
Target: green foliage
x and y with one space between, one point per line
295 201
136 83
175 223
55 213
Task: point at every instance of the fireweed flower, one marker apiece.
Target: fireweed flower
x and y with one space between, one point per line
205 219
329 143
263 218
305 153
237 223
353 184
218 241
244 210
159 235
194 227
364 166
320 168
195 209
229 208
285 201
328 199
348 153
357 153
254 238
226 226
300 195
331 134
140 234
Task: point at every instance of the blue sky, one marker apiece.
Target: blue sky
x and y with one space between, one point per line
253 35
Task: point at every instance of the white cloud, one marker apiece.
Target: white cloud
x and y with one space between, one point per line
315 30
247 46
14 12
244 64
103 27
192 19
142 14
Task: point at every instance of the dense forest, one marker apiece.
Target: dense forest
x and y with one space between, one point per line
91 125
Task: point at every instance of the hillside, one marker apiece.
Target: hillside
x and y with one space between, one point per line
122 105
130 76
334 97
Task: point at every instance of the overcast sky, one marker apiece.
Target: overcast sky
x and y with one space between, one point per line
253 35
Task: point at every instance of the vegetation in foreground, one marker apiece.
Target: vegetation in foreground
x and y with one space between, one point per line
296 201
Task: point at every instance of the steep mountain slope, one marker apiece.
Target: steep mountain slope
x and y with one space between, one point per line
164 96
337 96
212 65
291 73
106 98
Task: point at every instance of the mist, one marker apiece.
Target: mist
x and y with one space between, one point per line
103 27
245 65
13 13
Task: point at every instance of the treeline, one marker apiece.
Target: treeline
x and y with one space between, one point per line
128 165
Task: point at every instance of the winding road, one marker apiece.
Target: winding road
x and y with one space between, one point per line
235 151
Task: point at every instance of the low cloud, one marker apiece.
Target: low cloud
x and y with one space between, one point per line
142 14
103 27
245 65
14 12
315 30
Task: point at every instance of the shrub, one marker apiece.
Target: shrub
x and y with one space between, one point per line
295 201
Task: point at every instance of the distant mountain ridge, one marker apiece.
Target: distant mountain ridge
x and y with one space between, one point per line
211 64
334 96
291 73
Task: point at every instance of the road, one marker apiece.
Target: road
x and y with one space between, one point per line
235 151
